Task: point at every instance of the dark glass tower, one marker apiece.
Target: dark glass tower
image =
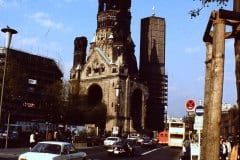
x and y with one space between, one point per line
152 69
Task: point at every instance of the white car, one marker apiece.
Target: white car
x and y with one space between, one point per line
109 141
53 150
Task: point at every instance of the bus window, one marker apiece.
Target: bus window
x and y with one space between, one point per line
178 136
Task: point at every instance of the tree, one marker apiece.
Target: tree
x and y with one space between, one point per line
205 3
52 101
81 111
13 90
73 113
189 121
214 85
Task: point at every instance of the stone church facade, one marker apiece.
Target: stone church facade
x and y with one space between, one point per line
109 74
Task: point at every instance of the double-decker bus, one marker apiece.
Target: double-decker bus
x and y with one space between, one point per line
176 134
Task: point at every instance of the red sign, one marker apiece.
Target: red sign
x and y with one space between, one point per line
190 105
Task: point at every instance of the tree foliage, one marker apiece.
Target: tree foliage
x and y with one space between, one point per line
13 87
189 121
80 111
205 3
52 101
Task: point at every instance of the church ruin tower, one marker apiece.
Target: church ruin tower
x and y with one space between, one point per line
109 76
113 33
80 47
152 69
79 59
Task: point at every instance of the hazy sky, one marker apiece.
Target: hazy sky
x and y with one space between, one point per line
49 27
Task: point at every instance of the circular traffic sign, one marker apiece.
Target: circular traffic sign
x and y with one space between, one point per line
190 105
199 110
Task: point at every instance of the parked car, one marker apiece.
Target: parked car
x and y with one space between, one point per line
12 135
124 147
109 141
149 142
140 139
135 137
49 150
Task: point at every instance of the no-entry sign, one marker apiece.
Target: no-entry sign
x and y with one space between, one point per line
190 105
199 110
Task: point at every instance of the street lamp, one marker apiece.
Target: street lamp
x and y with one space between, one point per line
117 107
8 32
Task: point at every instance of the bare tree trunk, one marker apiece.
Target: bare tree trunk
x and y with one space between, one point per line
236 29
207 95
215 99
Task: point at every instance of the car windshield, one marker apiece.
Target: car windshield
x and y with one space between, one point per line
112 139
147 139
119 143
47 148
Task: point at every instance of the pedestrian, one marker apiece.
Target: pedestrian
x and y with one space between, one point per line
55 135
32 139
37 137
186 155
49 136
223 149
229 148
235 150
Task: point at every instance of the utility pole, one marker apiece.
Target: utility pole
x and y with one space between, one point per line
215 101
8 33
207 95
215 44
236 29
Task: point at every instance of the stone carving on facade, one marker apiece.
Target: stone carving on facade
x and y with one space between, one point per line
88 71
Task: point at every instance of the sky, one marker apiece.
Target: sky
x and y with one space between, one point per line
48 28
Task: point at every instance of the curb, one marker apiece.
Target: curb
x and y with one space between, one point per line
12 152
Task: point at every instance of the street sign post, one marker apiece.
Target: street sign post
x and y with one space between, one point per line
190 105
198 125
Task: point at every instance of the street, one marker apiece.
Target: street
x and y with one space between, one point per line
99 153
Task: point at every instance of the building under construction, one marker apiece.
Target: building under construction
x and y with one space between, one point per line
27 80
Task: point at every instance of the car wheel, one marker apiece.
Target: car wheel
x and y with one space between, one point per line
110 154
133 153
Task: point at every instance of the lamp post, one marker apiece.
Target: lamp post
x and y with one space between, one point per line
117 107
8 32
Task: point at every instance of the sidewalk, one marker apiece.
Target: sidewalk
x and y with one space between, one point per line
12 152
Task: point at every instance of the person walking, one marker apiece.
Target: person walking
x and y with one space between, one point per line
55 135
235 150
49 136
223 150
229 148
32 139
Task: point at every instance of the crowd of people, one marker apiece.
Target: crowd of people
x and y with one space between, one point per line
225 149
60 134
229 150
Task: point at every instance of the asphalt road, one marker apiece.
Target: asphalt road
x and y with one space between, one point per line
99 153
